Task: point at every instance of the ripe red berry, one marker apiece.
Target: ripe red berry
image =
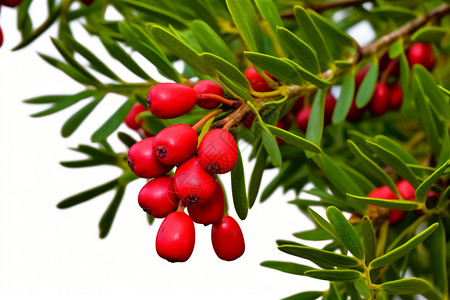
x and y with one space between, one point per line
175 144
390 65
421 54
175 240
395 216
10 3
257 82
218 151
208 87
227 239
330 103
171 100
395 96
303 118
210 212
143 162
379 103
355 114
360 76
130 119
158 197
406 190
193 185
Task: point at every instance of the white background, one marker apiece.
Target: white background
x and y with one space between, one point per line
48 253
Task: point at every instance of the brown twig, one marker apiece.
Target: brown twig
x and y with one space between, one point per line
320 7
197 125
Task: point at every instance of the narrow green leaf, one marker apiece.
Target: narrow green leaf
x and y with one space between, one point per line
246 20
333 275
286 242
308 76
126 139
150 219
113 122
388 203
369 239
345 98
367 87
445 150
270 13
110 213
88 194
275 66
314 130
395 163
396 49
287 267
438 255
312 295
447 92
318 234
61 98
271 146
396 148
285 172
361 287
238 188
373 168
425 186
211 42
324 224
330 30
362 181
429 34
319 256
227 69
293 139
255 179
311 34
394 12
403 249
405 77
76 119
300 50
240 92
65 102
346 232
406 286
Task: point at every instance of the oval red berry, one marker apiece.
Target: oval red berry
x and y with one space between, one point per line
257 82
218 151
211 211
227 239
207 87
158 197
171 100
130 119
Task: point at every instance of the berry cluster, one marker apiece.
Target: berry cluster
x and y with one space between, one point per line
194 184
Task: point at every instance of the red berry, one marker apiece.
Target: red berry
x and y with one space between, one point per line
175 240
171 100
211 211
218 151
421 54
130 119
360 76
11 3
175 144
395 216
227 239
303 118
395 96
143 162
192 183
392 64
406 190
330 103
257 82
355 114
208 87
379 103
158 197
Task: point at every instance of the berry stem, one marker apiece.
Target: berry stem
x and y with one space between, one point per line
232 103
212 114
181 206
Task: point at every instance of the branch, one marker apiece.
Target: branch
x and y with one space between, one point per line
320 7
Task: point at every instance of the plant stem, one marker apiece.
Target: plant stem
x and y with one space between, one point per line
197 125
320 7
232 103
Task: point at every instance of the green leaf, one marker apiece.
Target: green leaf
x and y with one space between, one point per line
270 13
211 42
406 286
346 232
317 234
369 239
227 69
396 49
394 12
240 92
238 188
425 186
76 119
362 181
285 172
311 295
395 148
308 76
113 122
118 53
334 275
311 34
438 249
158 13
403 249
395 163
345 98
182 50
429 34
300 50
255 179
287 267
61 98
88 195
373 168
324 224
314 130
361 288
271 146
277 67
388 203
444 90
293 139
150 219
246 20
126 139
405 77
110 213
320 257
367 87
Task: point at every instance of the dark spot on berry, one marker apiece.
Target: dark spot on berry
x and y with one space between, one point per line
213 168
192 199
149 101
147 210
172 260
161 152
130 164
